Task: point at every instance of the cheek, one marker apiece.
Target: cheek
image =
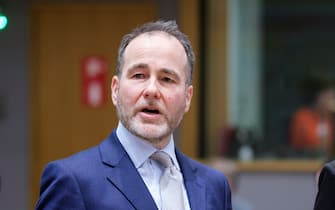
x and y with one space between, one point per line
176 102
128 95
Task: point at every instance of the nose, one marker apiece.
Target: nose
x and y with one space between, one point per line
152 89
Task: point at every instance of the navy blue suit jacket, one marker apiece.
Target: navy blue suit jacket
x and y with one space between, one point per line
325 199
104 177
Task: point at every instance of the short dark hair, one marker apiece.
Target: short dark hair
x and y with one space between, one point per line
171 28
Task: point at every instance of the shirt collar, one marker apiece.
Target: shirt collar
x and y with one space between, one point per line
140 150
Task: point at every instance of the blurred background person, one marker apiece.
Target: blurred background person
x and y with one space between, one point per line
326 184
312 125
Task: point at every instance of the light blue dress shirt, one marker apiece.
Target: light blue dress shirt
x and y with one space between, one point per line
139 152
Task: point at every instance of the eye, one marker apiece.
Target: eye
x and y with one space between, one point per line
138 76
167 79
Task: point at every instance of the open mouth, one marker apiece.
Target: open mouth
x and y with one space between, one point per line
151 111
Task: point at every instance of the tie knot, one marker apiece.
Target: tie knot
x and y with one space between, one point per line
163 158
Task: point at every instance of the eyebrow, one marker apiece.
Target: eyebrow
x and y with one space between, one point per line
138 66
171 72
144 66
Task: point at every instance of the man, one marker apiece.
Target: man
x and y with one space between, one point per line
325 197
152 91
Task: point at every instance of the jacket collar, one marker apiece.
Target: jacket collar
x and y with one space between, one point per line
194 184
123 174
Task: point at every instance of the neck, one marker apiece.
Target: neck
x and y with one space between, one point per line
160 143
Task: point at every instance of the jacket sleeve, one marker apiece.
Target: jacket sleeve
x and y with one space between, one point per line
227 195
324 199
59 189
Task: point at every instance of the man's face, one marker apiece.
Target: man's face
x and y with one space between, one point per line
151 94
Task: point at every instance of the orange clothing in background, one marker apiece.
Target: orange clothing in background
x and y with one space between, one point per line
306 132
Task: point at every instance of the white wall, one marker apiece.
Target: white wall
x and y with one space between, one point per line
244 64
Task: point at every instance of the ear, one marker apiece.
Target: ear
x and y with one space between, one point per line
189 94
115 89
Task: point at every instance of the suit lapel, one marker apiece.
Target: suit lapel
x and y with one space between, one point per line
195 187
123 174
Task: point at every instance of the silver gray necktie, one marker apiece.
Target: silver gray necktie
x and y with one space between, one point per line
170 183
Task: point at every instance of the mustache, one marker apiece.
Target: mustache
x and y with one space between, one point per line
150 105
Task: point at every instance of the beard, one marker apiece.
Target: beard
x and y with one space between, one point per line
152 132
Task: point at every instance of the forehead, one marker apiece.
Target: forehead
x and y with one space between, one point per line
156 39
156 47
